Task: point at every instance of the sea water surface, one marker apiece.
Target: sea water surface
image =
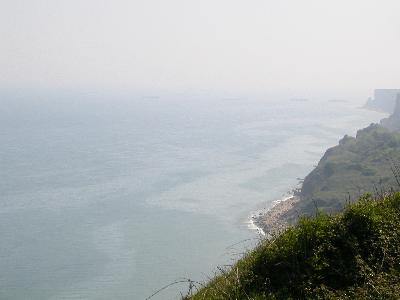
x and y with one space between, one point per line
114 197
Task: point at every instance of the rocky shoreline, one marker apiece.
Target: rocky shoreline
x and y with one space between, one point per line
273 220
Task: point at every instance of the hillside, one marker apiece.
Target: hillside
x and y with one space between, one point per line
393 122
348 170
353 255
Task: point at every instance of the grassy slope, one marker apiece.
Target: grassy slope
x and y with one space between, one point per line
354 167
355 254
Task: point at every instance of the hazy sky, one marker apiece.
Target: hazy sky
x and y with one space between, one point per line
243 45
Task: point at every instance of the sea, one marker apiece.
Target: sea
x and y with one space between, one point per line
116 196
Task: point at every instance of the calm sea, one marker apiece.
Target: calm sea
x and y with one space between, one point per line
114 197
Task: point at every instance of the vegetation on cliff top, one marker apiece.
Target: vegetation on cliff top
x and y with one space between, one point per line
350 169
353 255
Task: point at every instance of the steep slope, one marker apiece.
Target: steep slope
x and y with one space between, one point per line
353 255
383 100
393 122
355 166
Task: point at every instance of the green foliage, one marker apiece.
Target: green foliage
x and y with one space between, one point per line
353 255
354 167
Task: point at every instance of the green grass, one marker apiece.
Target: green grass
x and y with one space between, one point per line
350 169
352 255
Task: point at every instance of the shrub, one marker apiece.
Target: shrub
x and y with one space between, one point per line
353 255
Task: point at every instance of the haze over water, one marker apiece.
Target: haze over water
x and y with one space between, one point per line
114 198
114 195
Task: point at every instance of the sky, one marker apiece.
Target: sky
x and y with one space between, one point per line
350 46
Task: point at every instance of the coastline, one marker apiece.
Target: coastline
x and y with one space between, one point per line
271 220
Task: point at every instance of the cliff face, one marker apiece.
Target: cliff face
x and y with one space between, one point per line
393 122
355 166
384 100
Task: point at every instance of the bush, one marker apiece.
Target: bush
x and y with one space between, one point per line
353 255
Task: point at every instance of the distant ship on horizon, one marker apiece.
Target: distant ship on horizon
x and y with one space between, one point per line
299 99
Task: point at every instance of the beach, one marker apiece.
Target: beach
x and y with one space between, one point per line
272 220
